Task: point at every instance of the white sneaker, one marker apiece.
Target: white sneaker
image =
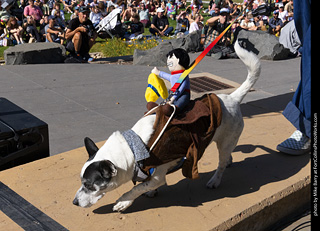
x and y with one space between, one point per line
297 144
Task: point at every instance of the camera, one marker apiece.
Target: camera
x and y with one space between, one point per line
90 30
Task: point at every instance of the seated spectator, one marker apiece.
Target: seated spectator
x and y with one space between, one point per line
181 4
194 12
112 3
196 25
144 15
4 14
95 16
215 11
289 8
31 30
216 25
51 4
275 24
259 23
68 5
127 14
247 23
59 20
15 31
57 8
87 2
38 4
75 13
171 10
54 33
235 11
93 4
102 9
81 35
34 11
45 7
182 23
136 28
42 31
3 35
283 15
151 8
195 4
160 24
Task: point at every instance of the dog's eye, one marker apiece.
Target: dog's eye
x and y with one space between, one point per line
89 187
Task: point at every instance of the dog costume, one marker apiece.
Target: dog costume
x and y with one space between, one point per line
186 136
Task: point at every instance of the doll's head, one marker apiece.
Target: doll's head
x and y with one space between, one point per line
178 59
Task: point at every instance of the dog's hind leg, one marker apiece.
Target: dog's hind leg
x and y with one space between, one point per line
225 149
157 179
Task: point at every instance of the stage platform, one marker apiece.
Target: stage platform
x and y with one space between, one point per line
261 187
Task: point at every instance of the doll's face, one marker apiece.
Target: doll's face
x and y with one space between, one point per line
173 63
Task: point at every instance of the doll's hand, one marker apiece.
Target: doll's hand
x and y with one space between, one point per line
155 71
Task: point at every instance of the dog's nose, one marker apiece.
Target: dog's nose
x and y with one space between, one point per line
75 202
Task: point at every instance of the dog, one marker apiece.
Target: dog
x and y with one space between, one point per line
113 164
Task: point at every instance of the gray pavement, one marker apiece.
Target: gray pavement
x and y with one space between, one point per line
79 100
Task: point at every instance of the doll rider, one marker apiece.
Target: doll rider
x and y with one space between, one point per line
177 61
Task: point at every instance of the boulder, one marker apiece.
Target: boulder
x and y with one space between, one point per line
264 45
35 53
157 55
190 42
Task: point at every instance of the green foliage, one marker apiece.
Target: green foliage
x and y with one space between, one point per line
119 47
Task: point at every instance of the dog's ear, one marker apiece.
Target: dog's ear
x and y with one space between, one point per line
90 146
107 169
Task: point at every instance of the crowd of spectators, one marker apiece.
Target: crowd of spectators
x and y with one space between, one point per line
46 21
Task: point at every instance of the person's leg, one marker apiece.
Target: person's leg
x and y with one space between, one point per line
298 111
77 42
168 31
152 31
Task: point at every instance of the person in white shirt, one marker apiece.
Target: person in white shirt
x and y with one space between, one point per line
196 25
247 24
95 16
283 14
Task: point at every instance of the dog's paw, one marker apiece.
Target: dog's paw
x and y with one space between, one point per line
120 206
151 194
214 182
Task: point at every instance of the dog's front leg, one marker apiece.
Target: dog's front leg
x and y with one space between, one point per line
127 199
157 179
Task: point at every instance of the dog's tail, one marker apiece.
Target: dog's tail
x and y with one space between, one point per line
252 63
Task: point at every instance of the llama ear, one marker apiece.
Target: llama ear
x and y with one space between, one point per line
107 169
91 147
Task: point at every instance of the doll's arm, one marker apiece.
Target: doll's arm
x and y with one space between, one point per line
164 75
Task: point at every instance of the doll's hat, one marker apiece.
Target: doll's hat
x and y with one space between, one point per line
156 88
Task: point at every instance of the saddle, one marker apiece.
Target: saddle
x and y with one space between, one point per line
187 135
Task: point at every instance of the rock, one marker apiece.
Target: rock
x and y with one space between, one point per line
190 42
35 53
264 45
156 56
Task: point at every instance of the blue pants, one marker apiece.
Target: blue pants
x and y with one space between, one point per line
182 101
298 111
153 31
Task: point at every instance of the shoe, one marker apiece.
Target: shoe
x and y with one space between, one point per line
88 58
297 144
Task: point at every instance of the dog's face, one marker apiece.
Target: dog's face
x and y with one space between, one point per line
96 178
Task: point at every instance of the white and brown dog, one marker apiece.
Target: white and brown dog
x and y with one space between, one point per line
113 164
